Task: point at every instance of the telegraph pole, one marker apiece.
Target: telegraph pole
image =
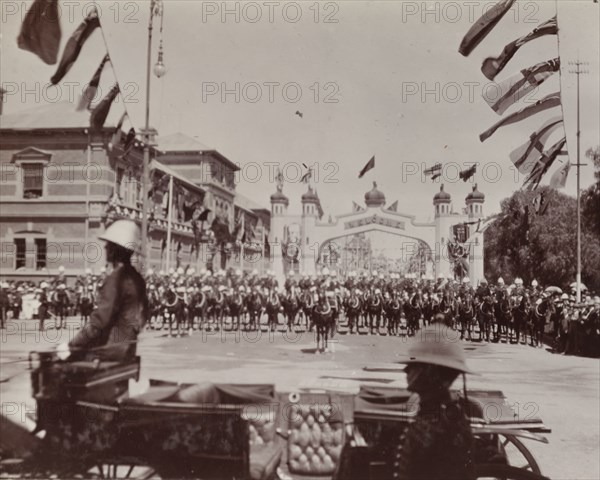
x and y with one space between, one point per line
577 70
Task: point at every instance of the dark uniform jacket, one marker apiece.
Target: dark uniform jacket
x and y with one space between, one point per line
116 322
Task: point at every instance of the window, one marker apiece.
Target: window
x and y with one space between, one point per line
20 257
33 180
40 253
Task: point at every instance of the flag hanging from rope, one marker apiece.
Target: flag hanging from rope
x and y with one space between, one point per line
468 173
493 66
92 88
513 89
543 164
559 178
99 114
40 32
525 156
369 166
549 101
74 45
432 170
307 176
483 26
116 138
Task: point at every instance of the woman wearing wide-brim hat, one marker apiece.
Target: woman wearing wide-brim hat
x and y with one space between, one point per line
439 444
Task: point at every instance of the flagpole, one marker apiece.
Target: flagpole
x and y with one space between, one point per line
169 223
578 71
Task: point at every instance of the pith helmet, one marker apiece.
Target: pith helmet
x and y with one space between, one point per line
124 233
500 281
534 283
438 345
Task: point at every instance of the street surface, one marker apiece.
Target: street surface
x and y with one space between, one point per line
562 390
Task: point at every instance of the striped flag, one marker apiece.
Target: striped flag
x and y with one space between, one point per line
40 32
468 173
543 164
432 170
116 138
559 178
484 26
513 89
525 156
549 101
74 45
90 90
493 66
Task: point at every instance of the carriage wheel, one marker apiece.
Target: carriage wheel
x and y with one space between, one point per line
518 455
122 470
505 472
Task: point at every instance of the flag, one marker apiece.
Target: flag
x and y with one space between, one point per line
204 215
129 142
545 103
437 175
484 26
189 210
307 176
515 88
356 207
90 90
559 178
369 166
543 164
468 173
40 32
493 66
435 168
540 203
74 44
393 207
525 156
100 113
116 138
159 184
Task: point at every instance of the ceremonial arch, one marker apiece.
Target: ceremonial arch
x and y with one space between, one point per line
449 246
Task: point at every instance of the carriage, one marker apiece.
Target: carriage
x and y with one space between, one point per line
93 428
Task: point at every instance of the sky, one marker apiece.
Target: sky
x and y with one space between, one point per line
379 78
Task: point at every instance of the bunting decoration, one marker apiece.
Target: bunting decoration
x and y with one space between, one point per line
100 113
436 168
92 88
74 45
129 142
40 31
540 203
356 207
543 164
468 173
510 91
483 26
525 156
369 166
549 101
307 176
393 207
116 138
492 66
437 175
559 178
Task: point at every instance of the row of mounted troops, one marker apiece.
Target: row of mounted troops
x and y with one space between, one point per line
379 304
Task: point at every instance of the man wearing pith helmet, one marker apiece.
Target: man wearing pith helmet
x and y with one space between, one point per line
122 304
439 444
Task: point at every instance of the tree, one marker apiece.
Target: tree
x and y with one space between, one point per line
530 245
590 198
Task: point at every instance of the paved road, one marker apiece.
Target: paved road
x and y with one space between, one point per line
562 390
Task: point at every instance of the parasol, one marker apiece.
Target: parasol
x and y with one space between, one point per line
553 290
574 286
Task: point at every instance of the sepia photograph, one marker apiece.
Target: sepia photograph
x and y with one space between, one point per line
300 240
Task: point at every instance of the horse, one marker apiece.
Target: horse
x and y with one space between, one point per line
520 313
197 309
393 312
307 304
485 318
154 305
254 305
86 305
539 316
60 304
466 314
413 314
446 307
216 307
323 321
235 305
174 309
375 309
273 307
502 310
352 307
291 307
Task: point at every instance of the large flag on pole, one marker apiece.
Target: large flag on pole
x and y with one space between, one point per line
90 90
484 26
369 166
525 156
559 178
74 44
513 89
493 66
549 101
543 164
98 116
40 32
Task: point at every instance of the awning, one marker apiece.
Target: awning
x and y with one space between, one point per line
156 165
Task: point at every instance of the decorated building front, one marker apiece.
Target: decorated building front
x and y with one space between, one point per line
450 246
